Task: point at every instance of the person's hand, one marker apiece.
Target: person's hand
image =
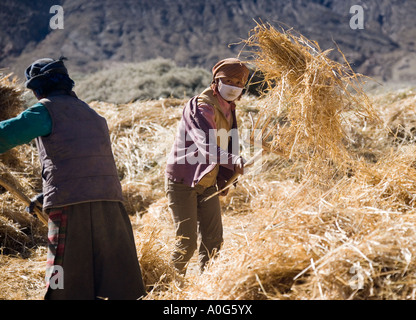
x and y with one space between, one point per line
221 184
37 201
225 192
239 166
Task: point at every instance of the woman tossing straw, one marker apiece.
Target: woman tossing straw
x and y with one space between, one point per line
204 156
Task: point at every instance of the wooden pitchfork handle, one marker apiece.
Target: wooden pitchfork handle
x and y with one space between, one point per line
22 197
235 176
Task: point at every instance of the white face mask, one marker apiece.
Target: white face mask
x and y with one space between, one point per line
229 93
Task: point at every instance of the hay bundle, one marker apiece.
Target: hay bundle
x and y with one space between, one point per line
309 100
11 104
18 230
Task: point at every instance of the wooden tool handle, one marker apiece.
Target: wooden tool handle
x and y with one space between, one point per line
15 191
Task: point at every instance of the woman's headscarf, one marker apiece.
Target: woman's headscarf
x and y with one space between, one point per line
230 67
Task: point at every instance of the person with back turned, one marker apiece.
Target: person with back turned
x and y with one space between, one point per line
91 248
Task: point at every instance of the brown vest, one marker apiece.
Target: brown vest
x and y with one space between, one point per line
77 160
223 128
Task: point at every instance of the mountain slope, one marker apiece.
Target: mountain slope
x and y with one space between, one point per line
198 33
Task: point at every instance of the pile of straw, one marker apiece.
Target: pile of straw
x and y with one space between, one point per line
285 236
154 254
309 99
142 134
19 231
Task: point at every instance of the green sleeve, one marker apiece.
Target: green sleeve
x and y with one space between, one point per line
30 124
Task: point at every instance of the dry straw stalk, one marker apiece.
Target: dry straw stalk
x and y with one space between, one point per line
9 182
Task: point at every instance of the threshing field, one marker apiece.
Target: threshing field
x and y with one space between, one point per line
328 213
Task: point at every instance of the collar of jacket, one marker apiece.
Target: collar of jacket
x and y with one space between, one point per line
209 97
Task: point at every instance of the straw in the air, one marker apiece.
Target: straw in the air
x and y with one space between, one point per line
11 104
309 97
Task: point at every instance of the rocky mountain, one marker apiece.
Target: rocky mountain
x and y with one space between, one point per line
195 33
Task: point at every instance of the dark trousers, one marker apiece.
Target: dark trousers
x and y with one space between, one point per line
192 217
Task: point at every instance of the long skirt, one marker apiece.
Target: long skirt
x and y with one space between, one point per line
92 254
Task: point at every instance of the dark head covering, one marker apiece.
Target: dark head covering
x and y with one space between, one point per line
231 67
46 75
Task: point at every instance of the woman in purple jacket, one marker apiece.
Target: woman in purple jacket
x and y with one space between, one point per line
204 156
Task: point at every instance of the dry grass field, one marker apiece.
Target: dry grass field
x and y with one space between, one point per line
315 220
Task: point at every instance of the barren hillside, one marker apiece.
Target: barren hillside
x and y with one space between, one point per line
198 33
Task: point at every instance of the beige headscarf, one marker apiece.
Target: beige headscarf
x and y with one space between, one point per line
230 67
